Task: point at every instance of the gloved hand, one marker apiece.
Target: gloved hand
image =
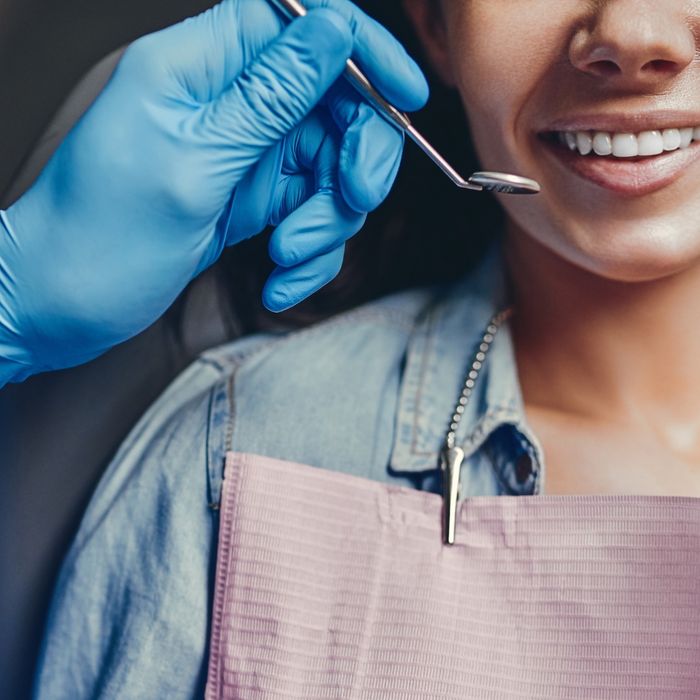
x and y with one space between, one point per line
207 131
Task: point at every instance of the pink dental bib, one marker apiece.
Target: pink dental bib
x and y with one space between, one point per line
332 586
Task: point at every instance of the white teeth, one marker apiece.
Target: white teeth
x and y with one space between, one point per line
628 145
651 143
625 146
602 144
672 139
584 142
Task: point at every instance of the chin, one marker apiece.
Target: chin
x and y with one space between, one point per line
632 252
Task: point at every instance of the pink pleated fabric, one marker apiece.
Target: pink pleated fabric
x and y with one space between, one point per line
332 586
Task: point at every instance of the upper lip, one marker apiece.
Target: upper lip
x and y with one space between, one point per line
629 122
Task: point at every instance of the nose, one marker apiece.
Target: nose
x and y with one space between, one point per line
634 44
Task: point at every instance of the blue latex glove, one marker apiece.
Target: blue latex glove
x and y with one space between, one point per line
208 131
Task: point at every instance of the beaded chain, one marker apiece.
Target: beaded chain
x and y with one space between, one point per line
452 456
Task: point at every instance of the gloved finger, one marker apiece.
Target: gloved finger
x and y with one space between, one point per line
371 149
286 287
252 206
383 59
325 220
291 192
303 144
310 163
277 91
284 178
209 51
281 181
369 161
319 225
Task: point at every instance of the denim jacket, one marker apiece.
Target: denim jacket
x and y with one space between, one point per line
369 392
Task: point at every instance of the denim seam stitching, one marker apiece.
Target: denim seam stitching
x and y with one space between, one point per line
405 323
498 411
421 384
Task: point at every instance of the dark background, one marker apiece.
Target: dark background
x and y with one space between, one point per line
47 46
59 430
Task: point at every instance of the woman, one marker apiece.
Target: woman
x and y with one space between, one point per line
584 320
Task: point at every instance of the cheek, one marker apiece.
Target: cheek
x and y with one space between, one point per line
502 51
646 240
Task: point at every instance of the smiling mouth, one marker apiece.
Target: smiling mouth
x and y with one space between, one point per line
625 163
628 145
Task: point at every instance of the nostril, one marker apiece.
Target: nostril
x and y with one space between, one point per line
604 68
660 66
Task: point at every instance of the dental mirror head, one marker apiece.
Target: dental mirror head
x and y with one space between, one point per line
504 183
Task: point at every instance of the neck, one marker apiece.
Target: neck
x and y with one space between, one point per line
608 350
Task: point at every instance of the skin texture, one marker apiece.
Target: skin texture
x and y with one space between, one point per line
606 284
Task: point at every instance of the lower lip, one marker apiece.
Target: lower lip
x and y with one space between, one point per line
631 177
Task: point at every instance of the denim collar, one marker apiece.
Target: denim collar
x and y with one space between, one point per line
439 355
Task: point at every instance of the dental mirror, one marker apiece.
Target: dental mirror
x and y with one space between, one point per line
483 181
502 183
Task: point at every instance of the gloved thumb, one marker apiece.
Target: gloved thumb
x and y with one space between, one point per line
277 90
